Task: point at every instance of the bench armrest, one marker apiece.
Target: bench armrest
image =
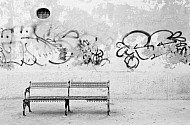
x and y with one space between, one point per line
27 90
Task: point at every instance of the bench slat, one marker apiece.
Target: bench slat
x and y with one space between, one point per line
47 98
88 97
41 85
89 85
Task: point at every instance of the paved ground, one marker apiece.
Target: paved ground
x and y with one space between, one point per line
123 112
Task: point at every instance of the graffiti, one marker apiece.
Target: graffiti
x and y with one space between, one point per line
91 54
63 53
28 46
56 49
140 45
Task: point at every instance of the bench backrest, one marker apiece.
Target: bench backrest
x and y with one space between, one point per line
40 85
89 84
70 84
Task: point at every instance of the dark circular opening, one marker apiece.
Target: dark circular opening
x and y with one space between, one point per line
43 13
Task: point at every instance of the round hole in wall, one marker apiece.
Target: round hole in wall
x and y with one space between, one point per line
43 13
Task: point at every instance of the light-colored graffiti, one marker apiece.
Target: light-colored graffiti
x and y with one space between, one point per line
140 45
30 46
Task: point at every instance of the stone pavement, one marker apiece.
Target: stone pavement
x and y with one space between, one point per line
123 112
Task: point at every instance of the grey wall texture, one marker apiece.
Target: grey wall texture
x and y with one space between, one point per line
141 46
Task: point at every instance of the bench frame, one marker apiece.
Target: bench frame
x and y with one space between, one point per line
43 85
68 85
91 85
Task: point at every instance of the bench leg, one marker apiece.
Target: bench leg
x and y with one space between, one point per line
66 106
24 106
28 104
108 107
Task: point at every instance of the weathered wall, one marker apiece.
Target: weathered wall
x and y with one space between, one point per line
141 46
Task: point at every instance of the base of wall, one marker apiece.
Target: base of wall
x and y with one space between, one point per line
131 85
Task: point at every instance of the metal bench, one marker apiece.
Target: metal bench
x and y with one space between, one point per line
43 85
75 85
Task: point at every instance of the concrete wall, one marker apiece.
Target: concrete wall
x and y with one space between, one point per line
141 46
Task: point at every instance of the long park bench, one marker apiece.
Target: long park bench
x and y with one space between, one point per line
70 86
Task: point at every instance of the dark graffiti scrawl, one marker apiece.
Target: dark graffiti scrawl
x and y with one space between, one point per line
140 45
12 45
29 46
91 54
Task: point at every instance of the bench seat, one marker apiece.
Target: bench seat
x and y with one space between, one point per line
58 98
88 98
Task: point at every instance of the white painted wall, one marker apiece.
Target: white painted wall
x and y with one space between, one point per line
165 77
